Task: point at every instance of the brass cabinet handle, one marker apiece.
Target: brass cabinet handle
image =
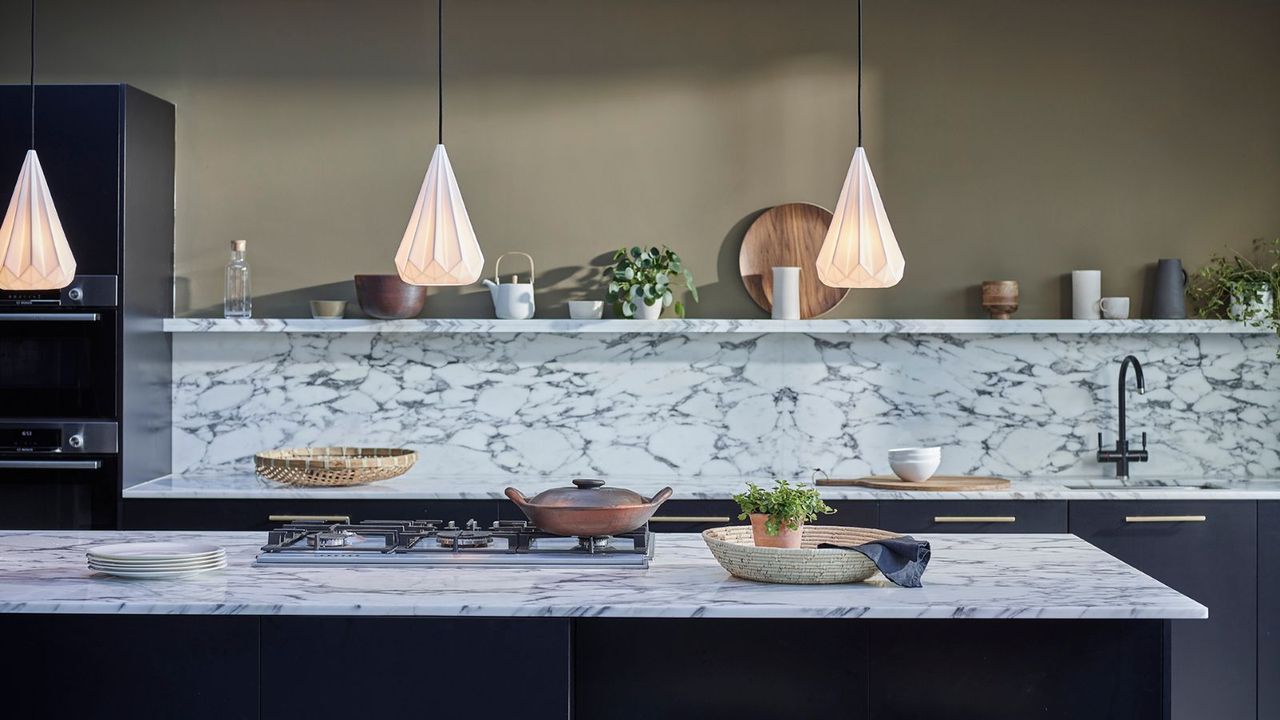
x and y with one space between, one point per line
344 519
1163 518
975 519
690 519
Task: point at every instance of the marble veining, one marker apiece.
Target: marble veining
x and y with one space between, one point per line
970 576
695 407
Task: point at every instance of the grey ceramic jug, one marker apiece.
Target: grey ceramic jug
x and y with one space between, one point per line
1169 301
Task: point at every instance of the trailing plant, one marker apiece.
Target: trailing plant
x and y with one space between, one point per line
1243 281
786 505
645 276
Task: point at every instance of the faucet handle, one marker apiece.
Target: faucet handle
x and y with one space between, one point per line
1099 440
1144 439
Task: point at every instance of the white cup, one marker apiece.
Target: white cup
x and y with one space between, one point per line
586 309
1086 291
786 293
1114 308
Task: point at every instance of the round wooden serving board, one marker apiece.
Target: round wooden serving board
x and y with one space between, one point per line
937 483
786 236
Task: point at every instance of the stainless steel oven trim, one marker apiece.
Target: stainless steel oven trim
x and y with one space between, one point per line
50 465
48 317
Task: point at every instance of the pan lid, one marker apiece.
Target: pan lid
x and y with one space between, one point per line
588 493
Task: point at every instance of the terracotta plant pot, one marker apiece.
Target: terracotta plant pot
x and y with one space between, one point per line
786 538
387 297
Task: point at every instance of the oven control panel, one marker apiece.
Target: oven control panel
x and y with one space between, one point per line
40 437
84 291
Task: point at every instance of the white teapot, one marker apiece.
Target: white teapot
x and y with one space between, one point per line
513 300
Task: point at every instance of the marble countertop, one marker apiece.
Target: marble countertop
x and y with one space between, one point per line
871 326
971 576
419 484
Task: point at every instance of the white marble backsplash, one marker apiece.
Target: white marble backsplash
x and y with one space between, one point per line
728 405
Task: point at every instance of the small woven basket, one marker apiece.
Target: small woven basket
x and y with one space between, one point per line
736 552
333 466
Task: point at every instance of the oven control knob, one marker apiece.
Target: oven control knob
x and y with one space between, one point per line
75 294
76 441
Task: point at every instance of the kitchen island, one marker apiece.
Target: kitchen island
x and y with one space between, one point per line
1006 626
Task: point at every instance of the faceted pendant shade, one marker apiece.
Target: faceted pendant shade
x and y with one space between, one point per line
860 250
34 254
439 246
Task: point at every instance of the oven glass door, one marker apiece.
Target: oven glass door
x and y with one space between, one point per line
57 493
58 363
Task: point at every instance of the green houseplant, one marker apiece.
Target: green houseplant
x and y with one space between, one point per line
778 515
1241 288
640 282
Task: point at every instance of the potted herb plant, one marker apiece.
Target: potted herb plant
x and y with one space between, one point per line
778 515
640 282
1241 288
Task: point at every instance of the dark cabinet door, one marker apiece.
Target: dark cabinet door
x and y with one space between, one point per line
1268 610
974 516
1207 551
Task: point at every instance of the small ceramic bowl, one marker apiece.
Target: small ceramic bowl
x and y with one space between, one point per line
586 309
915 453
328 309
917 470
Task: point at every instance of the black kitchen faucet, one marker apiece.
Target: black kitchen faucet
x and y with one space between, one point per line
1122 455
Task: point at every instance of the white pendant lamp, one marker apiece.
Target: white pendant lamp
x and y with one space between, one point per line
439 245
860 250
34 254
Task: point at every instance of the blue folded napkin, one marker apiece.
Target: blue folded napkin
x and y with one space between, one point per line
901 559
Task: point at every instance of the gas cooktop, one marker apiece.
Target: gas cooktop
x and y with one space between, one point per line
505 543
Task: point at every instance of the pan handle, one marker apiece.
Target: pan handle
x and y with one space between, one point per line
661 497
516 496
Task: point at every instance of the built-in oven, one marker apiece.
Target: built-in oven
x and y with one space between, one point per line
58 474
58 351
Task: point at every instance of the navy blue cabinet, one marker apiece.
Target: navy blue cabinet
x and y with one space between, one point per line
1207 551
1269 610
974 516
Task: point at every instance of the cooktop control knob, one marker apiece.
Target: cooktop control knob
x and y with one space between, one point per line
76 441
75 294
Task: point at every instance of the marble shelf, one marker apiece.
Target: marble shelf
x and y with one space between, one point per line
714 325
1013 577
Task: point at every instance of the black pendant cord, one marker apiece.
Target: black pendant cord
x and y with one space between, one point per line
439 67
859 73
32 79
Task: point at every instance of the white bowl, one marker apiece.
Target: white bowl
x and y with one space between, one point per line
586 309
917 470
915 453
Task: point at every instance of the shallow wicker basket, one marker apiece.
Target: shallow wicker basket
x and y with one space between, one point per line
736 552
333 466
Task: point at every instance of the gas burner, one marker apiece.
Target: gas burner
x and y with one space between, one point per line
504 543
592 544
327 539
464 538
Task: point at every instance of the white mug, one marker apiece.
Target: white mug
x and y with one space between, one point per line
1114 308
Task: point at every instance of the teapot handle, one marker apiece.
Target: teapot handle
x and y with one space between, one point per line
496 263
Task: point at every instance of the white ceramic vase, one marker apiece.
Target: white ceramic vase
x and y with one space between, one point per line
786 293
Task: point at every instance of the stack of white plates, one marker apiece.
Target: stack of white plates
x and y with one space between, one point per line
156 560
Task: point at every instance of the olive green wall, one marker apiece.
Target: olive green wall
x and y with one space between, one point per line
1011 138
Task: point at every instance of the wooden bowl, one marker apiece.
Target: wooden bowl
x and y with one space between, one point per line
387 297
1000 298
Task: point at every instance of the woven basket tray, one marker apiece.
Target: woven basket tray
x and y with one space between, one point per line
333 466
736 552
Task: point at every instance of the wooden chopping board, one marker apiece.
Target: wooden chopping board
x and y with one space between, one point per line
937 483
788 235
